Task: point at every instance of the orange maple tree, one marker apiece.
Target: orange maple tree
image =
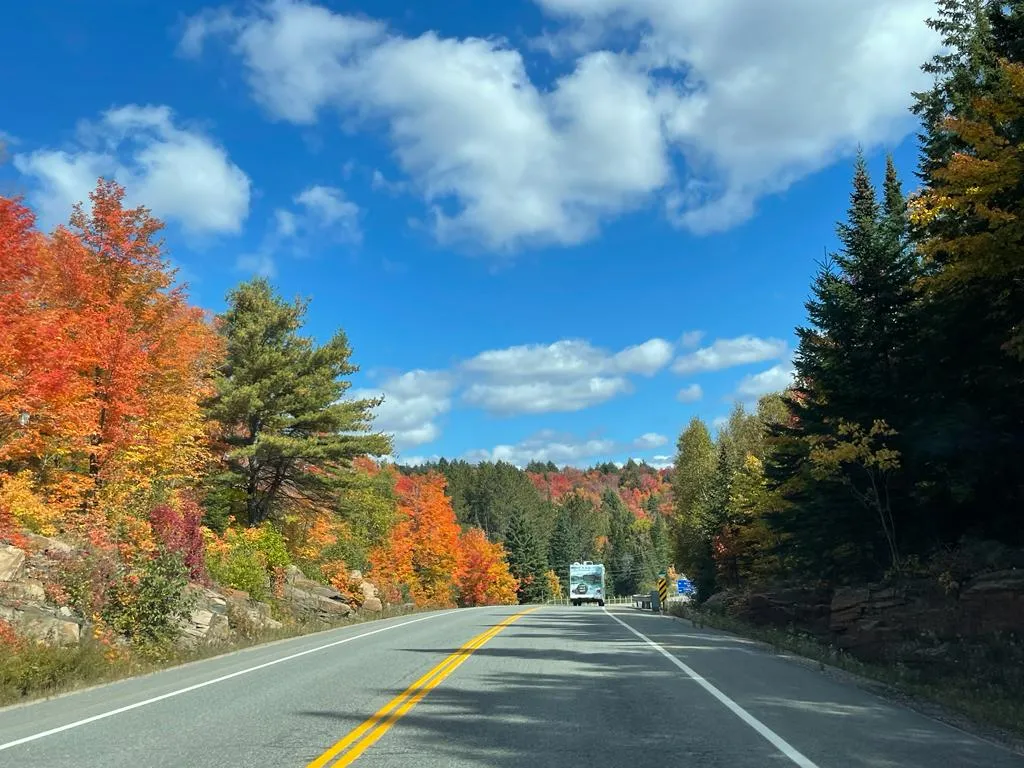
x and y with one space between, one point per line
103 363
421 559
484 577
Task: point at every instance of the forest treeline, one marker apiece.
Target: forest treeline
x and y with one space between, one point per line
902 438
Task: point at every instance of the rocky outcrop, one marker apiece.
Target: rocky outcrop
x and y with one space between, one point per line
12 562
23 601
806 608
913 622
313 599
217 615
994 602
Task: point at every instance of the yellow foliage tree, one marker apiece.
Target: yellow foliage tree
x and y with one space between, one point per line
979 193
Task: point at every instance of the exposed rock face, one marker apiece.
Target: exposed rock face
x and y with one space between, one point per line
12 562
316 600
911 622
42 623
23 602
209 620
994 602
218 614
806 608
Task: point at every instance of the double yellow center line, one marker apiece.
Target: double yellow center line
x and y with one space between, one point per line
362 738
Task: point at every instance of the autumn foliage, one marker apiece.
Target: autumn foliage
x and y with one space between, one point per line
429 562
103 363
484 578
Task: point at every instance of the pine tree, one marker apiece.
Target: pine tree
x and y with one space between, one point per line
626 556
561 549
286 427
526 559
851 366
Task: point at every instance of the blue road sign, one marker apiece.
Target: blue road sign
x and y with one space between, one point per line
684 587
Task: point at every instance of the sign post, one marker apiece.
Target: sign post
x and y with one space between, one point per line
662 591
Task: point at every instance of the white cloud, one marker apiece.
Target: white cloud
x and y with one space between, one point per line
726 353
691 339
498 160
548 445
329 209
413 402
568 375
650 440
775 379
545 396
739 109
322 213
501 160
647 358
690 394
662 462
180 173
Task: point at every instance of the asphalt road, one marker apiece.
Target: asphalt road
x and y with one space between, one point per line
556 686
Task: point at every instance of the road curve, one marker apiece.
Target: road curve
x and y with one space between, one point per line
500 687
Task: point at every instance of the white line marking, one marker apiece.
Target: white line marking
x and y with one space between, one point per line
197 686
777 741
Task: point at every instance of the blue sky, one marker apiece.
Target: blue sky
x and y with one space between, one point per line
551 228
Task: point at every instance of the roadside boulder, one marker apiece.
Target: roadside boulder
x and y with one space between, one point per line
12 562
43 625
372 605
208 623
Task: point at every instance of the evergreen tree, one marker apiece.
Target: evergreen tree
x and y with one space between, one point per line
561 549
526 559
626 556
851 366
288 431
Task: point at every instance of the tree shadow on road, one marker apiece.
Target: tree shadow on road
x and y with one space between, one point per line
560 688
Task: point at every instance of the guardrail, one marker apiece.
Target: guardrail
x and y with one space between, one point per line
608 601
642 602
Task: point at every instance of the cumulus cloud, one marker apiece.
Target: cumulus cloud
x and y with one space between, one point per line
690 394
544 396
740 78
328 209
775 379
413 403
691 339
702 104
180 173
726 353
568 375
560 448
650 440
320 213
498 160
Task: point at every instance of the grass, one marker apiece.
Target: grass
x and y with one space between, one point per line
37 671
982 686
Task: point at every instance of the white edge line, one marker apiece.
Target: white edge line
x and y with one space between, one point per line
197 686
777 741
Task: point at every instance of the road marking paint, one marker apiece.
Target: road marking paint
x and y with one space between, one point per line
365 735
777 741
221 679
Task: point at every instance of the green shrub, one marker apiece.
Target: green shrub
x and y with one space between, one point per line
148 605
240 569
247 558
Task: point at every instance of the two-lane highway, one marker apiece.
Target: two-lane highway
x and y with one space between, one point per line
496 687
